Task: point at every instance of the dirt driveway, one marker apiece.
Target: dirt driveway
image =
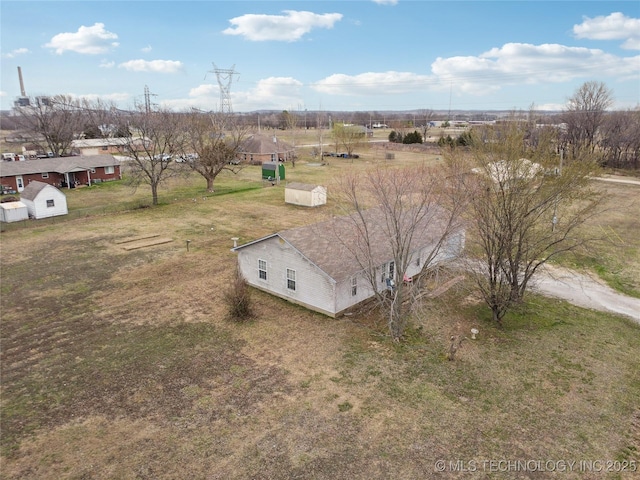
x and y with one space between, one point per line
585 291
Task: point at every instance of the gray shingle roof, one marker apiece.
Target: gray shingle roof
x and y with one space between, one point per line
32 190
264 144
331 244
59 165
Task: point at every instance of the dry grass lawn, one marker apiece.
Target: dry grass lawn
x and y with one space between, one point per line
121 363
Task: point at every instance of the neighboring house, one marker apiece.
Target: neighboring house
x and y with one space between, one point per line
44 200
99 146
13 212
313 267
259 148
106 146
304 194
60 171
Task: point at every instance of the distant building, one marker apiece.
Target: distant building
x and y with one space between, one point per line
260 148
104 146
64 172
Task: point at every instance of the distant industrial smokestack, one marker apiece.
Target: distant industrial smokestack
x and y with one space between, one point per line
22 92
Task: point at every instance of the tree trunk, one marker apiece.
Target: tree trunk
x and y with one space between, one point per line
209 184
154 193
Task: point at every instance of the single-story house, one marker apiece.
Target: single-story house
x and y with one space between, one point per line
315 266
60 171
106 146
99 146
304 194
13 212
259 148
44 200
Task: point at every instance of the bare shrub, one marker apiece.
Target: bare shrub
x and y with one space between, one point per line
238 298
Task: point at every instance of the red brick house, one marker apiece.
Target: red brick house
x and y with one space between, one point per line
64 172
265 148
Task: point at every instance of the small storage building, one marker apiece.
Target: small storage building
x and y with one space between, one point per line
13 212
43 200
272 171
304 194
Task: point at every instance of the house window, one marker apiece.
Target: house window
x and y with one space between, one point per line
392 270
354 286
109 170
291 279
45 175
50 203
105 148
418 261
262 269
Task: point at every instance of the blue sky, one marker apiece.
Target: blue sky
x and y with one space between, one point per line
366 55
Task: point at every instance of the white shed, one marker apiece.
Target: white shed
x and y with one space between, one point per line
306 195
13 212
43 200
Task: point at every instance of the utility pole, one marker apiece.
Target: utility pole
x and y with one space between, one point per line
225 77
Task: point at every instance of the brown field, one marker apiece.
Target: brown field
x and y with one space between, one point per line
122 364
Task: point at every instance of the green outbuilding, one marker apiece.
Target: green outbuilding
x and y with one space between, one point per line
273 171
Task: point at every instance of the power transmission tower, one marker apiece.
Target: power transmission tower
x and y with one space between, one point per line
147 99
225 77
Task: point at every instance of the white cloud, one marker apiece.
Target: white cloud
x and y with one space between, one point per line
88 40
107 64
615 26
3 93
291 26
157 66
15 53
270 93
204 91
521 63
147 49
385 2
371 83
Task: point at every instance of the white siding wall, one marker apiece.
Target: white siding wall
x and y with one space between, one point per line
307 198
298 197
344 297
314 289
38 207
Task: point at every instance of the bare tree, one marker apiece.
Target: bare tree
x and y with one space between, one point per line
407 219
98 118
347 136
526 207
212 142
53 121
620 139
427 117
584 115
153 138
